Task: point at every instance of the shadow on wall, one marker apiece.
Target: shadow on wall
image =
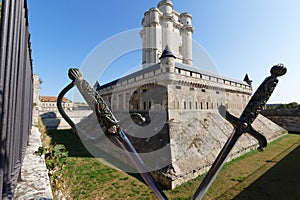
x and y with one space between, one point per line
50 120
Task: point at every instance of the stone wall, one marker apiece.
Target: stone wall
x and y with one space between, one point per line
53 120
192 139
36 100
286 118
196 138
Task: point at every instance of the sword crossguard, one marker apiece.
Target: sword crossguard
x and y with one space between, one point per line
244 127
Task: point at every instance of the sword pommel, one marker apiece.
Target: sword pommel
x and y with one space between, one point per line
74 74
278 70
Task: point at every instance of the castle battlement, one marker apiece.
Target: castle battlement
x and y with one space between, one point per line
184 74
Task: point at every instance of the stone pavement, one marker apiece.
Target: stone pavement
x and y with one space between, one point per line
35 182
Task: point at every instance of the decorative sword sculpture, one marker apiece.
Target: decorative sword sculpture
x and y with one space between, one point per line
243 125
111 127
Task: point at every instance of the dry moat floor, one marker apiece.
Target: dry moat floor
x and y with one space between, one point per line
273 174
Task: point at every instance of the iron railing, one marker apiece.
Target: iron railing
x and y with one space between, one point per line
16 92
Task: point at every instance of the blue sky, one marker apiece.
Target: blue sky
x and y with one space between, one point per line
240 36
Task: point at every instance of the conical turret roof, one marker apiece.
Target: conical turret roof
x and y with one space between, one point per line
167 53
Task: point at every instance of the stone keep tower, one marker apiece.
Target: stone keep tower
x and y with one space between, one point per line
163 26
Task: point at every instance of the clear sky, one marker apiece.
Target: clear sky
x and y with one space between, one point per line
240 36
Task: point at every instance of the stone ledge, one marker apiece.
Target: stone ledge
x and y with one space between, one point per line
34 183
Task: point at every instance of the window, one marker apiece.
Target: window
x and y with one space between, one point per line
178 87
184 105
203 90
196 105
190 105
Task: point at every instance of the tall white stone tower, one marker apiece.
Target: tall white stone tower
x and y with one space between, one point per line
163 26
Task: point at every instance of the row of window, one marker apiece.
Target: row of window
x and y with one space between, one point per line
54 104
196 105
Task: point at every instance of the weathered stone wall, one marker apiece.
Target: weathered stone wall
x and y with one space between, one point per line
193 138
287 118
196 137
36 100
53 120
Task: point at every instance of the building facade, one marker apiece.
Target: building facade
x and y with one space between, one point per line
48 103
193 129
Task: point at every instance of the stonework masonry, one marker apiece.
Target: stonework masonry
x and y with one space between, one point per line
34 182
164 26
287 118
36 100
53 120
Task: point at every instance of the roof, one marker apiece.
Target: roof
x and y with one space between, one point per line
205 72
139 72
53 99
177 65
167 53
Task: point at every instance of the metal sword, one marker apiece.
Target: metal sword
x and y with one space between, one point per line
243 125
109 124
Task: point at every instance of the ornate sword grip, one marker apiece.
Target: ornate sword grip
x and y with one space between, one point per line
96 103
262 94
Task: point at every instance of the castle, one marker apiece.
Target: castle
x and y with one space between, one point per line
192 130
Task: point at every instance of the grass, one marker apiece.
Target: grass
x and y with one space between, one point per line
266 175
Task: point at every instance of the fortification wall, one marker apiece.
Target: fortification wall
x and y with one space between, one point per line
287 118
53 120
196 137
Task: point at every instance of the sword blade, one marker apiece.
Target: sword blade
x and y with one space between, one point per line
217 165
93 99
140 166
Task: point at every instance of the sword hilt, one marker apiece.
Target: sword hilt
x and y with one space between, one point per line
242 125
104 115
244 128
255 105
262 94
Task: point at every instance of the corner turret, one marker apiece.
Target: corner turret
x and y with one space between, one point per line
167 60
